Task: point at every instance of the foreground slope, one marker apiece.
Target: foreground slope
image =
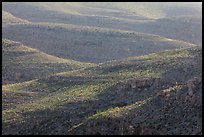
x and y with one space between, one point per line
21 63
152 89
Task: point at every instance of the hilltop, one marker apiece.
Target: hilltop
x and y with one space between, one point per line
95 100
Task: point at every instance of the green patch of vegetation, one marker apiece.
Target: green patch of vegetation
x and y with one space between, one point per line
135 73
106 113
60 97
19 86
169 54
9 115
76 126
118 111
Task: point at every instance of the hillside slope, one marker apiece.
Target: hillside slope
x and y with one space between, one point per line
95 100
155 18
141 10
21 63
89 44
8 18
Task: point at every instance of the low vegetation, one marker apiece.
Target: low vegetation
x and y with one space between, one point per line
101 68
80 104
21 63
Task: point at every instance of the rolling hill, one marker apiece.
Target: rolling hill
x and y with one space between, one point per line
89 44
157 90
101 68
165 19
134 10
186 28
21 63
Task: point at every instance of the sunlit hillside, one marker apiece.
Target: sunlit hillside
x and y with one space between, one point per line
102 68
73 99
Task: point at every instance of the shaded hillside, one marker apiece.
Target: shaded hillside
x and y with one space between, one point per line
152 10
89 44
141 10
97 100
185 28
21 63
166 19
173 111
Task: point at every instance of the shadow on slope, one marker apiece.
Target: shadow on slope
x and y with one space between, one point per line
21 63
139 104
